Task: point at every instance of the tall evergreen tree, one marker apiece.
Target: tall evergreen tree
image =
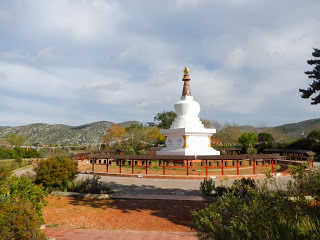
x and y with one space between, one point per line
315 76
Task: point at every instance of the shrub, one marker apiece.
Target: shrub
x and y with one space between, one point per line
89 185
263 216
305 182
20 209
5 170
206 186
221 190
130 152
15 188
19 220
242 187
56 172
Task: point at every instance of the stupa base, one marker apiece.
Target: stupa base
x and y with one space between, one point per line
188 152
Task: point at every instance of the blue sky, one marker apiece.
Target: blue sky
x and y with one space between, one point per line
80 61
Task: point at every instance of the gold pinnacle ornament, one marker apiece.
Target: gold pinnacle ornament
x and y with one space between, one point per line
186 88
186 70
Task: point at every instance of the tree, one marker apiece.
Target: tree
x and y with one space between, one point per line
248 140
56 172
315 134
165 119
14 139
115 132
211 124
313 88
228 133
265 137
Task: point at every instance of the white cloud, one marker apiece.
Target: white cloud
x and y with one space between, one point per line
82 21
241 55
13 55
236 59
99 85
44 55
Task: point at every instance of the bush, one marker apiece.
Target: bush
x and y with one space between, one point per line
6 169
89 185
242 187
222 190
305 182
206 186
19 220
18 153
263 216
15 188
56 172
20 209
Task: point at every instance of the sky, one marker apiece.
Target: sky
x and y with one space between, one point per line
79 61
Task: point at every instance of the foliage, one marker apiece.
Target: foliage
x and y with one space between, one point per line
211 124
265 137
15 188
19 220
165 119
18 153
144 137
248 139
222 190
5 170
14 139
242 187
229 133
314 87
239 188
56 172
260 215
315 134
20 209
305 182
306 144
129 151
206 186
115 132
89 185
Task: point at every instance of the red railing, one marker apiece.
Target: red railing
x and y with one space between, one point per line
186 164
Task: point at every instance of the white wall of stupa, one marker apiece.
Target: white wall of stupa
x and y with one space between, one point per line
187 135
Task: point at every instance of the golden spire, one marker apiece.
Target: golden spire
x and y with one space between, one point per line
186 70
186 88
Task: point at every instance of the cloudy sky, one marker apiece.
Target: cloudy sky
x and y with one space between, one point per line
80 61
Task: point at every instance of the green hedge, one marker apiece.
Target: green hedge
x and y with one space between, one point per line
18 153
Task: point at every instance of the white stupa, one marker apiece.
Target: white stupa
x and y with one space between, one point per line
187 135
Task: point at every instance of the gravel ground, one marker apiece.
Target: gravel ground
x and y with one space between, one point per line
132 185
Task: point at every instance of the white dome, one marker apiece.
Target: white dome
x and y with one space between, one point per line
187 111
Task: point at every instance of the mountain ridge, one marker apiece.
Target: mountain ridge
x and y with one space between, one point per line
43 133
92 133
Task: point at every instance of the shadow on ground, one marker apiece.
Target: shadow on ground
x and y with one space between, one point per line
150 189
177 212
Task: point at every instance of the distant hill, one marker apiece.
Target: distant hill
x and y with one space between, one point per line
91 133
294 129
282 132
128 123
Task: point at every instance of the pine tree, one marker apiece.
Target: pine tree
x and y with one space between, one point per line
315 76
